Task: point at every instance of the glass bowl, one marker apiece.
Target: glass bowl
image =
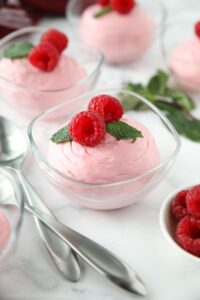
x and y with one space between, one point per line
180 50
115 38
30 101
11 213
114 194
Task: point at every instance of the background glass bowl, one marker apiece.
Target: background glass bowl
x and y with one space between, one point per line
30 101
185 72
109 195
154 8
11 205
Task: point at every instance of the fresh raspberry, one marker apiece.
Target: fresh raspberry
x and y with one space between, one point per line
193 201
178 207
103 2
58 39
123 6
188 235
87 128
44 57
197 29
107 106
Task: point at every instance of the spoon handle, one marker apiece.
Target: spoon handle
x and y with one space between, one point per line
62 255
98 257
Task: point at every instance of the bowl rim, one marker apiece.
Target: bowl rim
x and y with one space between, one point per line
41 158
166 54
38 29
8 173
163 210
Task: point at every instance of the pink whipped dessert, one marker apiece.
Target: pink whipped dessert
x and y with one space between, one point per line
4 231
111 157
40 77
184 63
121 37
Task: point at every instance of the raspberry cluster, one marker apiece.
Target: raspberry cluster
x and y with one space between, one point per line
185 209
121 6
88 128
45 56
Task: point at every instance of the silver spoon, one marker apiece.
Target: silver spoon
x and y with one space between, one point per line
99 258
13 150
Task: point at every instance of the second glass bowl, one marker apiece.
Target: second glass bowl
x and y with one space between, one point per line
115 194
11 214
181 47
29 100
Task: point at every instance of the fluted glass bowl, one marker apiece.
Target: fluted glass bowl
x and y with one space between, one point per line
29 101
120 44
11 214
180 48
114 194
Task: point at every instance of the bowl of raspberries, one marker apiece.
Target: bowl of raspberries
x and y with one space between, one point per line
180 220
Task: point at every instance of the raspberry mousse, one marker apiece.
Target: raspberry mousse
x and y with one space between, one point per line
122 30
102 146
185 209
36 72
4 231
184 62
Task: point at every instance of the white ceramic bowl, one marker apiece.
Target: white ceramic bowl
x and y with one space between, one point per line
168 224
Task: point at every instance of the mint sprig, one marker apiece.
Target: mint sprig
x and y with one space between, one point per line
176 104
120 130
18 50
61 135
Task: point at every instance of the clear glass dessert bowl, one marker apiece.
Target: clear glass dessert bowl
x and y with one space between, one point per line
180 50
11 214
122 38
114 194
28 100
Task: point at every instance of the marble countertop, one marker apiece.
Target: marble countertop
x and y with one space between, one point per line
132 233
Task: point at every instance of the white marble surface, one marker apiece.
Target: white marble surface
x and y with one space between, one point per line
132 233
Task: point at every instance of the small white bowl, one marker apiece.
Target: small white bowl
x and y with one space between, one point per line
168 224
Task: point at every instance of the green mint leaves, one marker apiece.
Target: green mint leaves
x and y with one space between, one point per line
61 136
18 50
176 104
103 11
120 130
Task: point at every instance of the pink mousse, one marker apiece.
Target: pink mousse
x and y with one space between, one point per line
122 38
184 64
111 160
39 88
4 231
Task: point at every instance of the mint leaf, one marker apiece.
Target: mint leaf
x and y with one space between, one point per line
61 135
158 83
122 131
18 50
181 98
184 123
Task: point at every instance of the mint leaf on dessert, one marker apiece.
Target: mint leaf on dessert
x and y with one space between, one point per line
18 50
122 131
61 136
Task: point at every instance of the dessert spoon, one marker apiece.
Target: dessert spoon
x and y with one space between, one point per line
13 150
99 258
